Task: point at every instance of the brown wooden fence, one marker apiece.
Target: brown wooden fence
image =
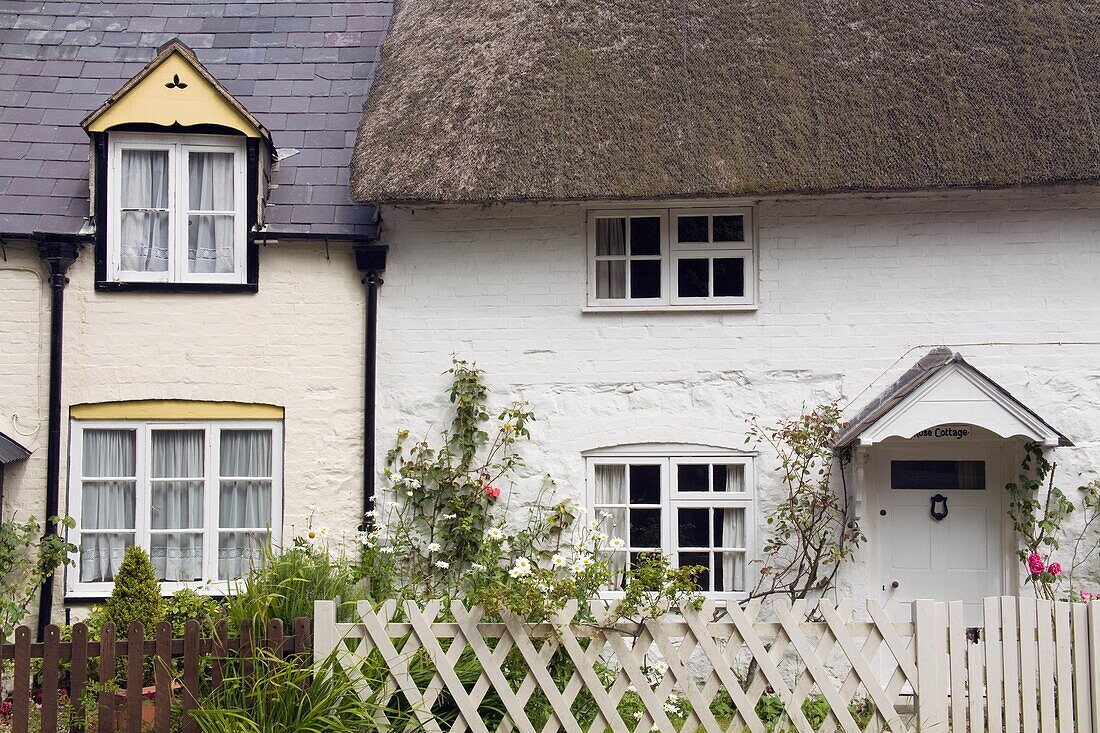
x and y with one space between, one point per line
182 669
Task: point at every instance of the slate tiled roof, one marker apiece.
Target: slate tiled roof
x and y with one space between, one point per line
302 67
908 383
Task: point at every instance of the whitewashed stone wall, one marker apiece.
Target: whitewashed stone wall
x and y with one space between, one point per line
853 290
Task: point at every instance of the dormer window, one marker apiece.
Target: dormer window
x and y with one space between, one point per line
176 208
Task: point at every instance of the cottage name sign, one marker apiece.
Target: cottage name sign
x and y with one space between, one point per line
944 432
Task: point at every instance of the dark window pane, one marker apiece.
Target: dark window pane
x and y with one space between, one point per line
693 278
938 475
729 229
692 527
645 235
729 277
698 558
691 477
645 279
692 229
645 484
611 236
721 477
645 528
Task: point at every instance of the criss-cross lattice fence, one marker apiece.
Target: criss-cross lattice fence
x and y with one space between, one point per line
1029 667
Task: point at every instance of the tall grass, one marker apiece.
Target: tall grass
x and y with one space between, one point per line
285 583
287 696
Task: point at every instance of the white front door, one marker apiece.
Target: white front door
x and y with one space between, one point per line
959 557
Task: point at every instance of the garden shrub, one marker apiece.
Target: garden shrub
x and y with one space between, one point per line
136 593
27 558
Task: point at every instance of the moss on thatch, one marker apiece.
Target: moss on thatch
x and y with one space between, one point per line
589 99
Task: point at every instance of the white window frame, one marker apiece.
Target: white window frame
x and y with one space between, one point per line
593 258
671 252
668 458
178 147
211 584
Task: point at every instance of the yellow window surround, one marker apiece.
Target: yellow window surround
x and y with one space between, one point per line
174 88
175 410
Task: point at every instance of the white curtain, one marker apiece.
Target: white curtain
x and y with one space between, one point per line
107 506
210 189
176 504
611 274
611 489
245 501
144 206
729 531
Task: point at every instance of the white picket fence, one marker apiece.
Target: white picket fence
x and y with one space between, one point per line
1033 666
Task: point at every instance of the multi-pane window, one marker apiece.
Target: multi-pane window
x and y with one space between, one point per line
176 209
201 498
671 257
696 509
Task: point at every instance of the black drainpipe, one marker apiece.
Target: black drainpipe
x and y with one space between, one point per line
371 261
58 255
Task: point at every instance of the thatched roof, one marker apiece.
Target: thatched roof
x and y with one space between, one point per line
580 99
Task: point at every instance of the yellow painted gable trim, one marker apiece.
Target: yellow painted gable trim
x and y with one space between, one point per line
175 410
149 101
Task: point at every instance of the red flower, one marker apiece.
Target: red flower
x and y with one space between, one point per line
492 491
1035 564
1055 568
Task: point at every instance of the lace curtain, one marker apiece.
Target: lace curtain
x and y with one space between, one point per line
210 235
178 463
245 501
143 235
108 501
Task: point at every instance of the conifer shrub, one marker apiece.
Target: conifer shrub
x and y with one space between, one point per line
136 594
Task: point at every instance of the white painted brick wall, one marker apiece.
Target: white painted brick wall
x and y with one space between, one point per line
298 343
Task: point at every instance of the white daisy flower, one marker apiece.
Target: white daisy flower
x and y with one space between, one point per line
594 524
442 565
387 550
494 533
372 514
477 566
606 515
522 566
577 567
638 714
631 688
413 484
365 539
435 547
449 516
616 543
588 562
515 572
660 668
559 561
599 537
409 494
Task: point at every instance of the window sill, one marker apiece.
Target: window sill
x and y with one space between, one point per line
110 286
669 308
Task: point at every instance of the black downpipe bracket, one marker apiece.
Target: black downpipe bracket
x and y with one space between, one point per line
58 255
371 261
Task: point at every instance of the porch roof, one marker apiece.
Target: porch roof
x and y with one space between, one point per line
11 451
942 387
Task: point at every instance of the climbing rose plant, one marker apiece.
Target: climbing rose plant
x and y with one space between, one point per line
446 529
814 529
1038 509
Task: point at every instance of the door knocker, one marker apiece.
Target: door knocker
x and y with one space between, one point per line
939 513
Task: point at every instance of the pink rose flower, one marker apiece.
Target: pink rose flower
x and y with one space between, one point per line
1035 564
1055 568
1086 596
492 491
